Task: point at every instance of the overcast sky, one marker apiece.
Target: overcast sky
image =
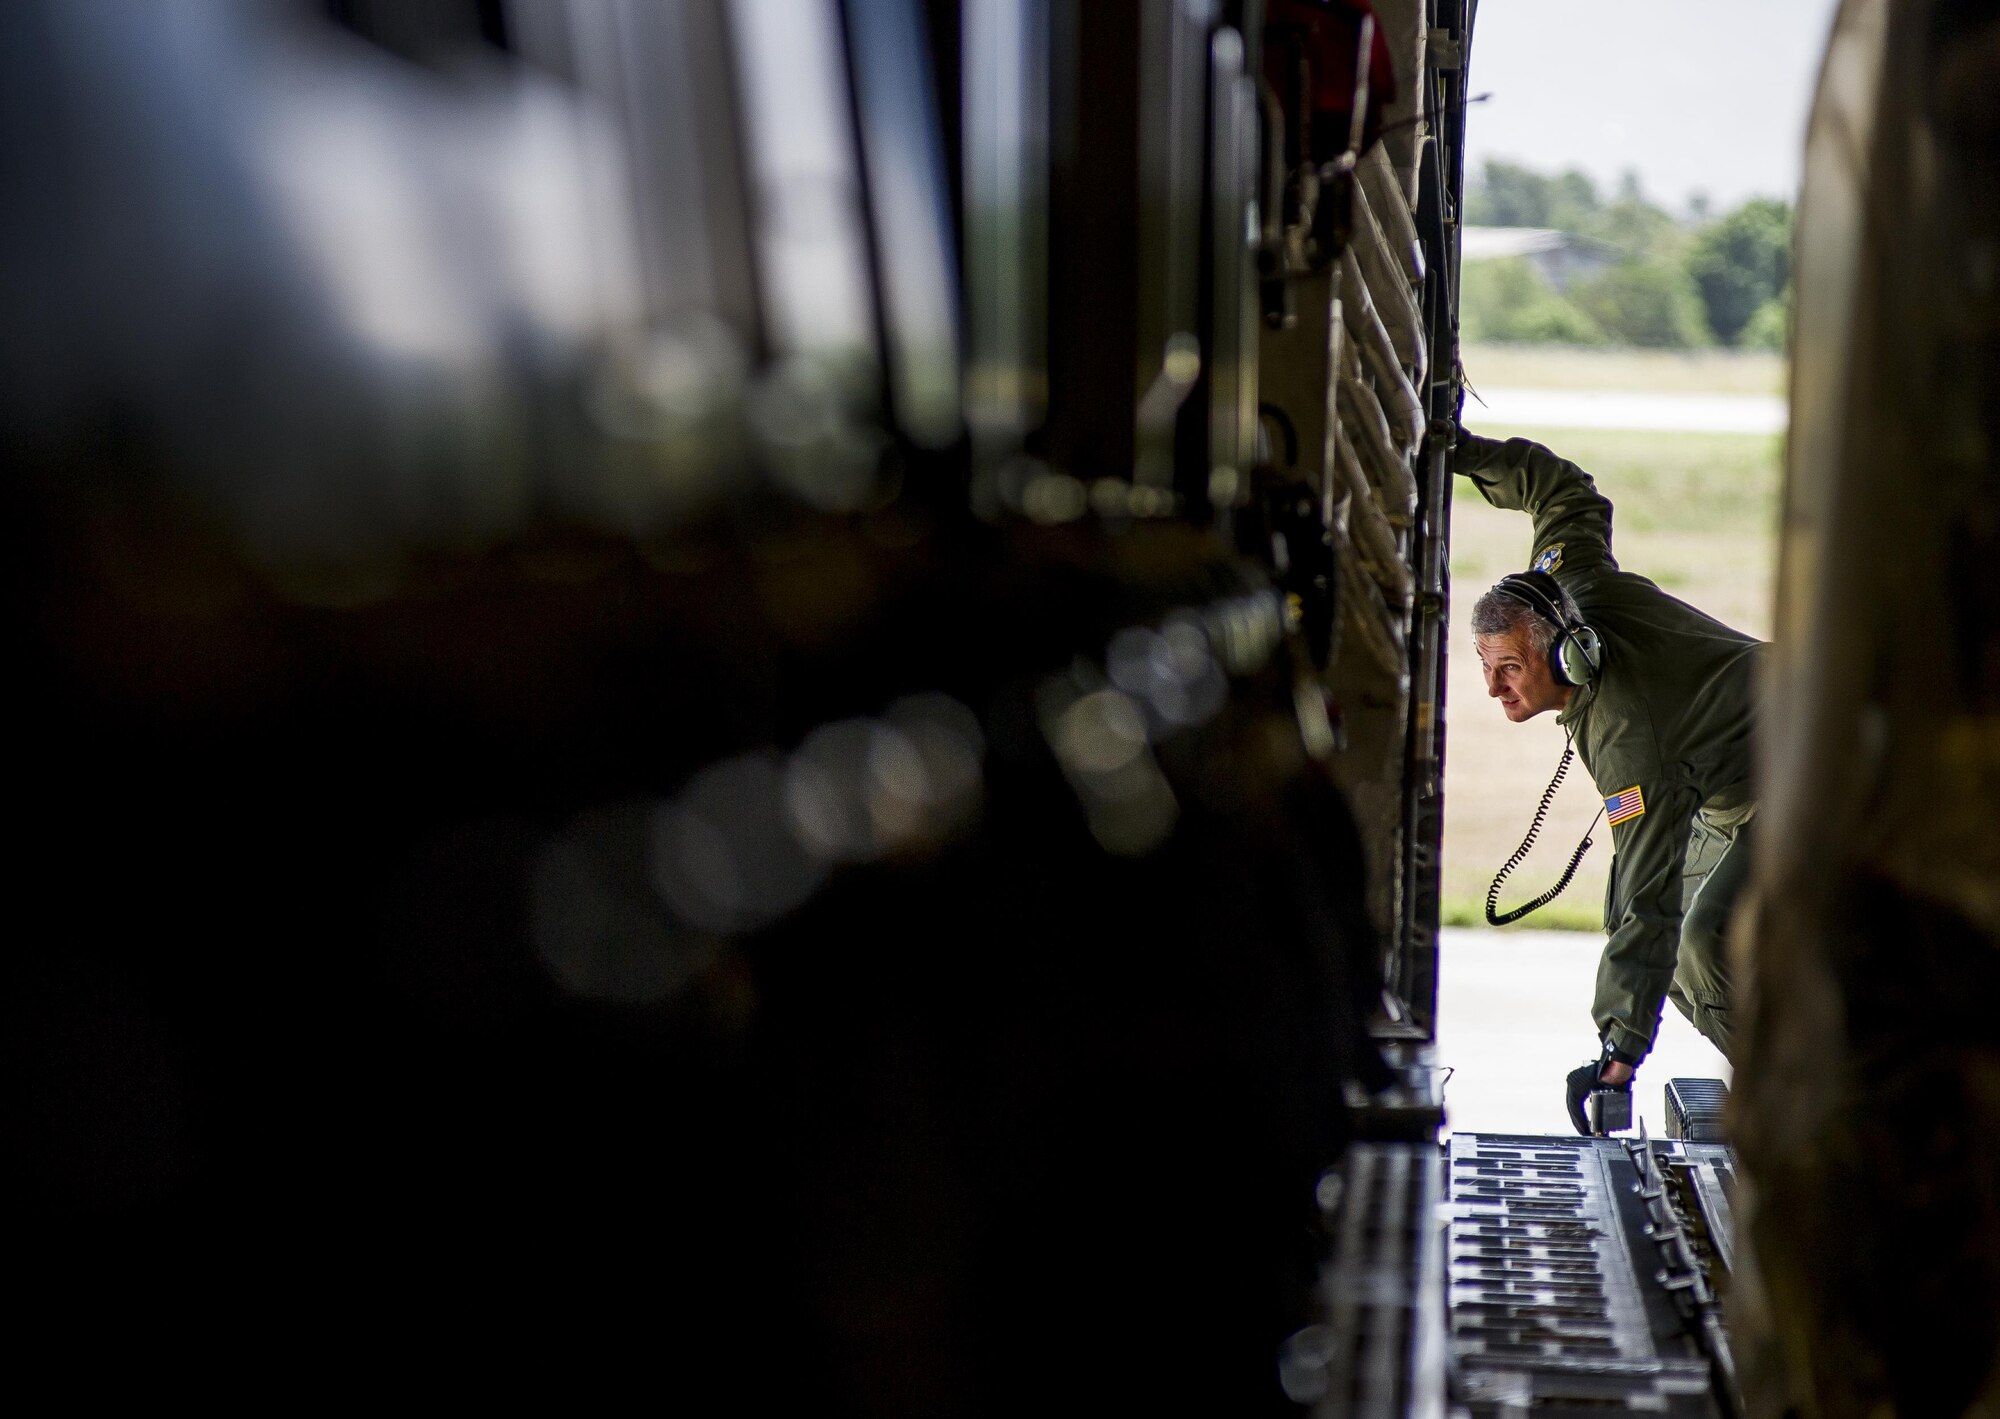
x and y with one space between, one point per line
1696 95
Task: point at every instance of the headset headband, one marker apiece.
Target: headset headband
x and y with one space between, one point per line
1526 586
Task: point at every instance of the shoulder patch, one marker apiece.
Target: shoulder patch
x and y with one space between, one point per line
1627 803
1549 558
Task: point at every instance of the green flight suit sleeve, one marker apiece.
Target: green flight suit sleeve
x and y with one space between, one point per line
1522 476
1642 916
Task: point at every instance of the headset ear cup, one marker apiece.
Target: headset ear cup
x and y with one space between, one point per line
1581 652
1559 658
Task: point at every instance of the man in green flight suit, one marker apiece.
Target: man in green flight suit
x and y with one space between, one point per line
1657 699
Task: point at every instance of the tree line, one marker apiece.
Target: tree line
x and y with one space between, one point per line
1669 283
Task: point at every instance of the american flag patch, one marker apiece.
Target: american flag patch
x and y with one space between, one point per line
1620 806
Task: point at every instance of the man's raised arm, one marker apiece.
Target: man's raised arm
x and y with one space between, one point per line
1520 475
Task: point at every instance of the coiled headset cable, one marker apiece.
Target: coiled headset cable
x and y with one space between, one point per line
1495 917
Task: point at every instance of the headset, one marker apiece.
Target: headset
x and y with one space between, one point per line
1576 655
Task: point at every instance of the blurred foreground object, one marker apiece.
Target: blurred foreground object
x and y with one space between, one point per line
681 677
1868 1098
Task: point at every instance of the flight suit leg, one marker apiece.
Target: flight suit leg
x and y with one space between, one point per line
1717 870
1680 999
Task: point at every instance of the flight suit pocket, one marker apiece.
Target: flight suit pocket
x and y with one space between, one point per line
1705 848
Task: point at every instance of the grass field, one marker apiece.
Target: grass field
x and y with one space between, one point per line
1696 513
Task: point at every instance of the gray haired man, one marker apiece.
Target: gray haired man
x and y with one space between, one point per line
1657 698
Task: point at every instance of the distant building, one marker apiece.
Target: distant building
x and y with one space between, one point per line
1560 256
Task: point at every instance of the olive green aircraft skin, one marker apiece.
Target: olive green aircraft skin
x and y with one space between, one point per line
1669 715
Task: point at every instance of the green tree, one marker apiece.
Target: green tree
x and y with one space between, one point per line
1636 227
1644 303
1741 264
1771 327
1510 301
1509 195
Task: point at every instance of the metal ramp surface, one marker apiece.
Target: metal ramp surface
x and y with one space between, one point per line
1584 1273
